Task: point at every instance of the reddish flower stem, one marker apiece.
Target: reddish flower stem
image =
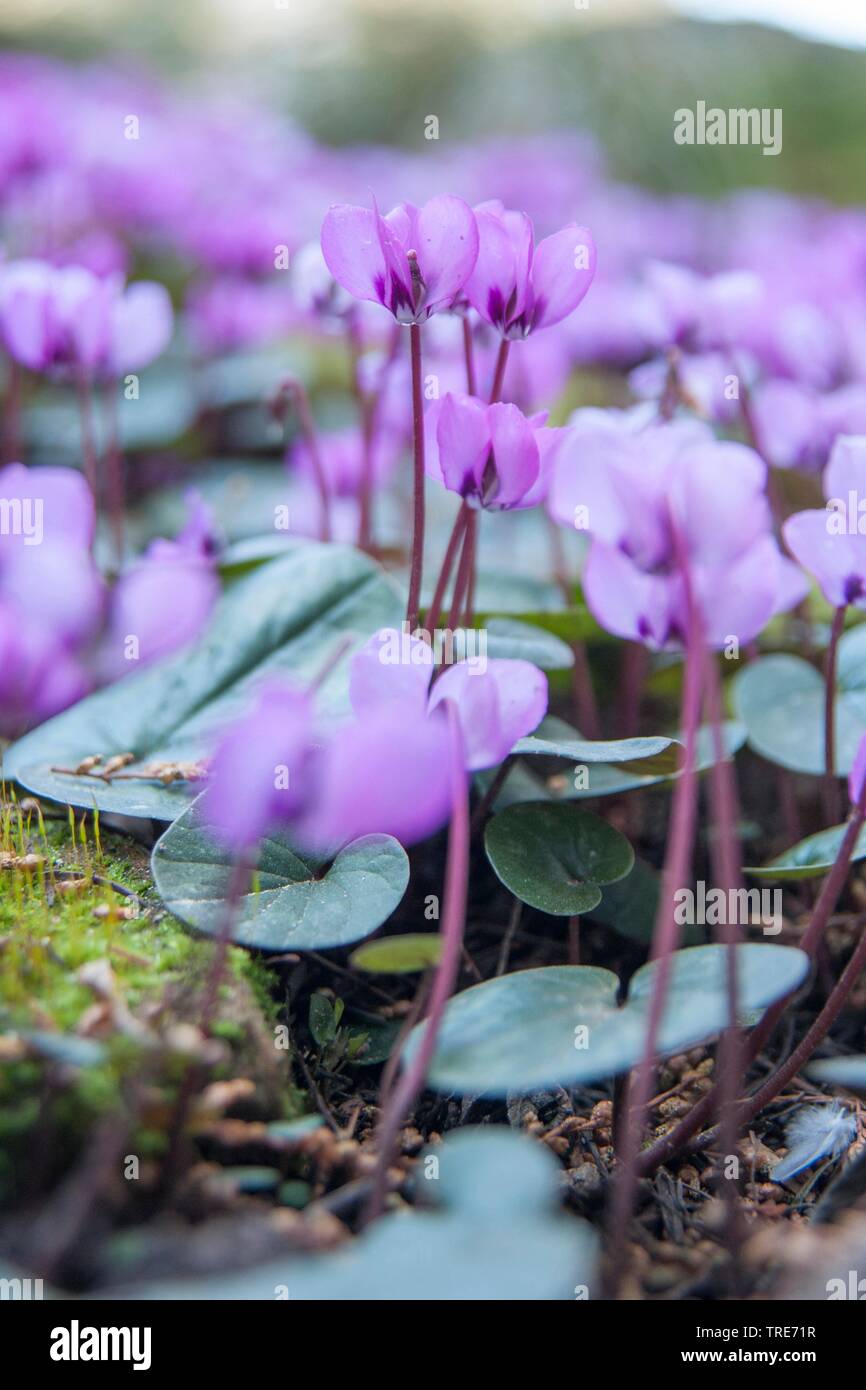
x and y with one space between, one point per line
114 471
413 605
469 356
454 540
499 371
665 939
11 447
365 416
727 873
88 447
407 1089
676 1139
831 790
301 402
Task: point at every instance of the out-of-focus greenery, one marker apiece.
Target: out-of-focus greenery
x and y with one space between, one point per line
623 83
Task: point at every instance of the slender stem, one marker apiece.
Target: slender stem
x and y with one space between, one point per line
301 403
365 414
413 605
727 873
635 661
11 447
585 705
454 540
462 581
499 371
88 447
471 544
479 815
671 1143
469 356
411 1082
114 469
194 1074
818 1031
665 937
238 882
831 790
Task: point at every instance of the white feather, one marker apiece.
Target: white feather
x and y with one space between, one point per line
816 1131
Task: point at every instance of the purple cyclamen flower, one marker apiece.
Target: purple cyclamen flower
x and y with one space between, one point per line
518 286
829 543
46 569
164 599
66 317
258 778
655 498
413 261
490 455
498 701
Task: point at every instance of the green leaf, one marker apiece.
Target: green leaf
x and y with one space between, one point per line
810 857
287 618
399 955
163 411
554 856
488 1225
523 641
780 699
561 1025
322 1019
600 778
297 903
556 739
849 1072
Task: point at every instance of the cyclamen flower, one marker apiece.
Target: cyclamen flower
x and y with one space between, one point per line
497 704
490 455
656 497
519 287
412 261
164 599
51 595
385 770
257 778
830 543
68 318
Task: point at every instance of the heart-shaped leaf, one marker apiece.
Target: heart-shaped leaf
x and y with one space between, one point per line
560 1025
496 1232
849 1072
554 856
295 903
780 699
556 739
287 618
589 778
399 955
512 639
810 857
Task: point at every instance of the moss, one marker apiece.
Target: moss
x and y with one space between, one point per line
61 909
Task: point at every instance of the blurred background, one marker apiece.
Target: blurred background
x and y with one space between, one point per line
375 70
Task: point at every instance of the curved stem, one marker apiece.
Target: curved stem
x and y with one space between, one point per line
676 1139
88 446
435 609
831 791
665 938
114 469
308 430
456 882
469 357
727 873
413 605
365 415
